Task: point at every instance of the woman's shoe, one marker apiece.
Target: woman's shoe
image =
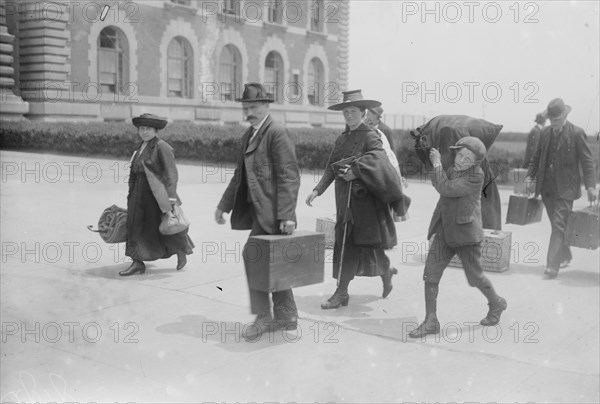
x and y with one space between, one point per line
387 282
181 260
136 266
338 299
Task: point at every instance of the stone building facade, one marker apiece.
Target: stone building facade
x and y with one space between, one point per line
183 59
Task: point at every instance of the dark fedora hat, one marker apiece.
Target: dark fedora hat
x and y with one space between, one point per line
354 98
557 109
377 111
149 120
255 92
540 118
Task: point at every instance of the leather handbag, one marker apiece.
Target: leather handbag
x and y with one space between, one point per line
112 225
173 222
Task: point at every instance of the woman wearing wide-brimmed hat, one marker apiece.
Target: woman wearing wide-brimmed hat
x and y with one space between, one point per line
152 166
366 186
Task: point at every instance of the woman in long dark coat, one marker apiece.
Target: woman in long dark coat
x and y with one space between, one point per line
152 191
370 184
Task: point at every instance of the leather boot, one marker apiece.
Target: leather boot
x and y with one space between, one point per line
494 313
136 266
338 299
431 325
181 260
387 282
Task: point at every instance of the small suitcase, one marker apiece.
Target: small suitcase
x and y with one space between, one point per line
495 251
327 225
583 228
280 262
523 210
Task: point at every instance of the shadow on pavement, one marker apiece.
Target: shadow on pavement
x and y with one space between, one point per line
225 334
357 306
112 272
578 278
396 328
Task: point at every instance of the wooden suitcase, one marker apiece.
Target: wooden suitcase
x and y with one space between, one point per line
280 262
517 177
523 210
583 228
327 225
495 251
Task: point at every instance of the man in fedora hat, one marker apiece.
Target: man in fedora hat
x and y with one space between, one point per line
554 171
533 138
373 118
262 197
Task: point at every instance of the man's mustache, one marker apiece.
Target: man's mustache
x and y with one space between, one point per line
250 117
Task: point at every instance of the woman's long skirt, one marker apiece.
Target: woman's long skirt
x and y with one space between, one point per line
144 241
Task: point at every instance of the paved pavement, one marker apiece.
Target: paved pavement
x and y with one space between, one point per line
73 330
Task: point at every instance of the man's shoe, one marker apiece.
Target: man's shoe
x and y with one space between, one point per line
387 282
338 299
429 326
494 313
181 260
263 323
136 266
550 273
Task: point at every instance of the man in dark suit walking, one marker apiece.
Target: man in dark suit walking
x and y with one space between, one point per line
554 171
262 197
534 138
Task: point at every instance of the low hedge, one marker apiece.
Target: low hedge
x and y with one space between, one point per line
210 143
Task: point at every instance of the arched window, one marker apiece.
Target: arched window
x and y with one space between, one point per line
113 60
274 75
180 68
316 84
230 72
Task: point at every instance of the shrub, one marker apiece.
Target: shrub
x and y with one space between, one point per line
221 143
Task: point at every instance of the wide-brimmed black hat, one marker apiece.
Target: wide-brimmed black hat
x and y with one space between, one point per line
557 109
255 92
149 120
354 98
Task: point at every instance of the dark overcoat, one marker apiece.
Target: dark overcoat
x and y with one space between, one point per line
370 223
267 175
571 153
146 203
